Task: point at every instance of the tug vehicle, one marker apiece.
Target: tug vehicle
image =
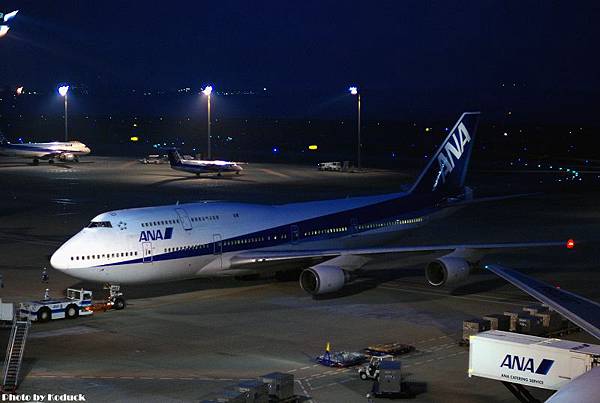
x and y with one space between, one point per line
78 302
371 370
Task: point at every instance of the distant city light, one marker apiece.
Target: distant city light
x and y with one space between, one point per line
427 129
19 90
313 147
62 90
207 90
275 150
505 134
134 138
353 90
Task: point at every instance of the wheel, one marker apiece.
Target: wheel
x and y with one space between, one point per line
50 161
76 159
119 303
363 376
237 172
36 161
71 312
44 315
219 174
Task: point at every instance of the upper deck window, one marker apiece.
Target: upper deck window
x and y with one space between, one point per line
100 224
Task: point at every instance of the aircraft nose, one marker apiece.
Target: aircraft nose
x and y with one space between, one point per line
59 260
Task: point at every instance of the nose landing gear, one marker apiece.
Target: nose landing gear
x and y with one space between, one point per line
115 296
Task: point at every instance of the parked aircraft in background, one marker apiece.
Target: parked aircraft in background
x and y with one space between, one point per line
201 166
57 150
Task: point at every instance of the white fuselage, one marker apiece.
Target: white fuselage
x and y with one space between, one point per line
200 239
41 150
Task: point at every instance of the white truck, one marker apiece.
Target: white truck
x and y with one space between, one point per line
530 360
78 302
330 166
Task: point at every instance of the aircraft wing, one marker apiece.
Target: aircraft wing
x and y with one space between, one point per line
583 312
583 389
474 251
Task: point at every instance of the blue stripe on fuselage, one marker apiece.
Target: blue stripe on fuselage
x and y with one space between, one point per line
362 216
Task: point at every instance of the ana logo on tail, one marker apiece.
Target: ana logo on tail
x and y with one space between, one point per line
453 150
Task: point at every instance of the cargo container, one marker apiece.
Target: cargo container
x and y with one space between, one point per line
389 382
279 385
514 319
498 321
530 360
531 325
474 326
258 392
531 310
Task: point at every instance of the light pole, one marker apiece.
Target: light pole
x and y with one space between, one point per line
207 91
354 91
63 91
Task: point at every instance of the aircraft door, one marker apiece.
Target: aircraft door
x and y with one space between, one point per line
218 244
218 248
147 252
184 219
353 226
294 233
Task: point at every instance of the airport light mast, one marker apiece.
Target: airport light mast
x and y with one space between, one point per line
207 91
354 91
63 91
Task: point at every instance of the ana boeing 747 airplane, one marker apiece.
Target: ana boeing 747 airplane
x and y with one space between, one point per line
331 239
63 151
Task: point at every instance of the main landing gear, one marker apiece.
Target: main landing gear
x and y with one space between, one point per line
115 296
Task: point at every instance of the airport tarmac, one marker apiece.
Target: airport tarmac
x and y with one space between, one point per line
188 340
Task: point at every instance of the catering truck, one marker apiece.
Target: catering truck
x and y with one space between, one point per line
530 360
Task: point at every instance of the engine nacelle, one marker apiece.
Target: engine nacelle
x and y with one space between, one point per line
447 270
323 279
66 157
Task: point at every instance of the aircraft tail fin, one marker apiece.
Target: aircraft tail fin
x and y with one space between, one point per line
174 157
445 173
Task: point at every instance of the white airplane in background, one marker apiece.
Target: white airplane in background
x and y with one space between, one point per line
201 166
4 18
63 151
332 239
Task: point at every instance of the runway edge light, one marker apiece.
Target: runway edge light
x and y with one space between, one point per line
570 244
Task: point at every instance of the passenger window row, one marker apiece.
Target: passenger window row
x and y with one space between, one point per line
157 223
187 247
205 218
389 223
105 256
326 231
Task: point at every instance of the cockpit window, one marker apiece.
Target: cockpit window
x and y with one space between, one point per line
100 224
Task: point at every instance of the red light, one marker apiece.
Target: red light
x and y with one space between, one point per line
570 244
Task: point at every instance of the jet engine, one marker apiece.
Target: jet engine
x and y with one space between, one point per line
323 279
447 270
67 157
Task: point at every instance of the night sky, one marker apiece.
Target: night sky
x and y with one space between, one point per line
462 50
